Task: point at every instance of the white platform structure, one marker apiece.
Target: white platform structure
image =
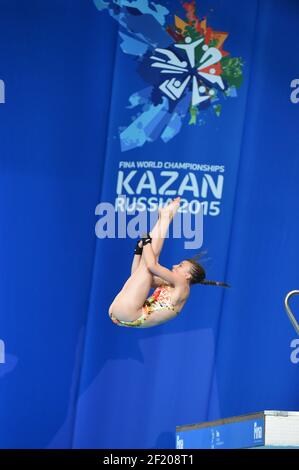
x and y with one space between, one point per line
266 429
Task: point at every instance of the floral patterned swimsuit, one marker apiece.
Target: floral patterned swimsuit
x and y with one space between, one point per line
159 300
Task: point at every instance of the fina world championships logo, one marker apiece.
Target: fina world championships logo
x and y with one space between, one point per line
182 62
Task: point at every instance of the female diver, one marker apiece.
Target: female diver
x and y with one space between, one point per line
131 307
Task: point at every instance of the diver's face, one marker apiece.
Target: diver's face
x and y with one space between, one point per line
183 268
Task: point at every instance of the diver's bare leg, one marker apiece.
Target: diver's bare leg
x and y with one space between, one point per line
136 260
127 305
159 232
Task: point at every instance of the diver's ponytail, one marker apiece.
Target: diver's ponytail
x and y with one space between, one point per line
198 275
213 283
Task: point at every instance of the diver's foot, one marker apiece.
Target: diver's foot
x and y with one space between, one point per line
171 209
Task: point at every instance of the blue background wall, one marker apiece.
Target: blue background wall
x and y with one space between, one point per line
71 378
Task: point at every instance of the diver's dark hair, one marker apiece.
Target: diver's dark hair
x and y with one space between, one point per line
198 275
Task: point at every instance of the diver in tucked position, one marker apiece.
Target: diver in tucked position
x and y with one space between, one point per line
131 307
